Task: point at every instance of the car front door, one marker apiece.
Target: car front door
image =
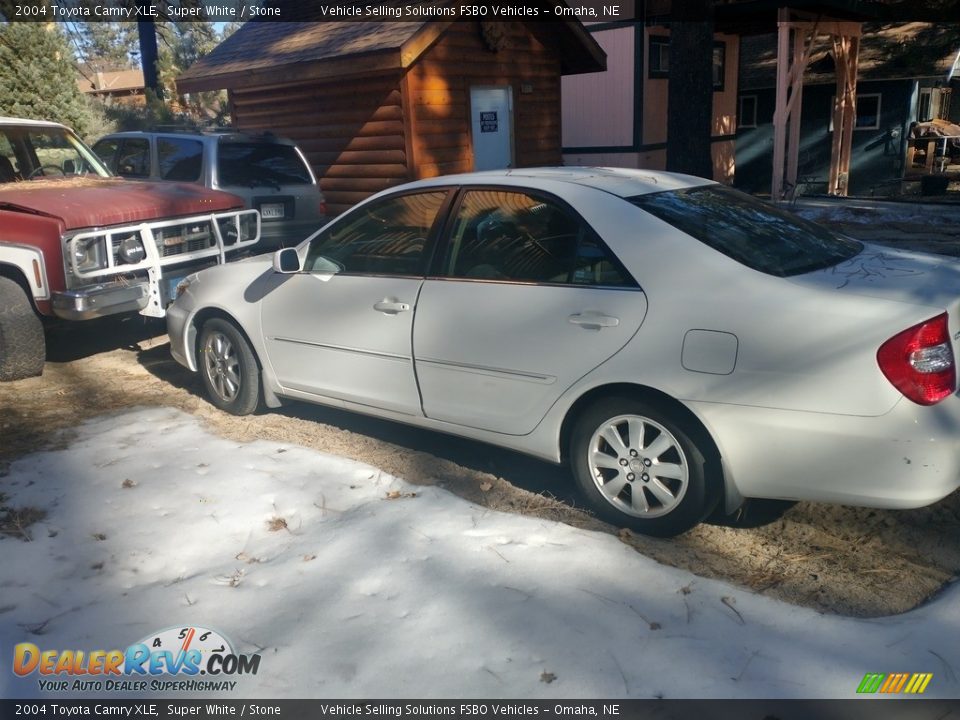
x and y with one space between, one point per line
527 299
341 328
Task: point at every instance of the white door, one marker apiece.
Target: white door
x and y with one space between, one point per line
491 113
341 328
528 301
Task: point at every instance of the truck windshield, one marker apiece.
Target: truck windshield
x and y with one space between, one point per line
29 152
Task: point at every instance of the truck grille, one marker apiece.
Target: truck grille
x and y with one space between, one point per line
186 238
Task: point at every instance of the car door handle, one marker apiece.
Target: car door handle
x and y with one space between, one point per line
391 307
593 320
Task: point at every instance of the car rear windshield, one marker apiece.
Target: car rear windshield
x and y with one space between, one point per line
750 231
251 164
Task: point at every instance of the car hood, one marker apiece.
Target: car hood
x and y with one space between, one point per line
891 274
99 202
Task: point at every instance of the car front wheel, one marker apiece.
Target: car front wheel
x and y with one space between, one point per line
639 467
228 367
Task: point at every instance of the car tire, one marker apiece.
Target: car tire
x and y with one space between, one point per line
644 467
22 344
228 367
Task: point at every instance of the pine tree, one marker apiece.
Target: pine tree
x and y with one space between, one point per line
37 76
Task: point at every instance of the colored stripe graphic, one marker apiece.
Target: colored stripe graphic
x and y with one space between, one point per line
893 683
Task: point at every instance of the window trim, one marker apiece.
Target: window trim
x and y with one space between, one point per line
446 237
740 118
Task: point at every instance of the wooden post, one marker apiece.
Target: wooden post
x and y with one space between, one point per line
780 108
800 57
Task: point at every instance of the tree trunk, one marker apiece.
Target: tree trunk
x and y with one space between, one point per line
690 94
148 56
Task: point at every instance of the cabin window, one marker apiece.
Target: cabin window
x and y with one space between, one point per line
747 115
933 104
659 56
868 112
511 236
719 65
384 237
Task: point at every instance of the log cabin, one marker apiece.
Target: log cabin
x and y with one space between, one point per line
374 104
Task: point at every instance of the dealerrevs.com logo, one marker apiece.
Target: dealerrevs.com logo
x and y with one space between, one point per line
186 653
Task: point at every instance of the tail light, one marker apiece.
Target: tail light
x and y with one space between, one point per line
919 361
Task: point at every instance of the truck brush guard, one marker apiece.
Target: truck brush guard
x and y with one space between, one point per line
154 246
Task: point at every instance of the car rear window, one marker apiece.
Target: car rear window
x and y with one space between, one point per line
251 164
750 231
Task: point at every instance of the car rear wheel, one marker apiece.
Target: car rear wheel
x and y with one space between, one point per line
229 368
639 466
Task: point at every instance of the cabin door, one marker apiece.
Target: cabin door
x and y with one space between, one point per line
491 116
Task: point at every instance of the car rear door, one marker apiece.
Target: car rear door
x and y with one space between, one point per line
341 328
526 299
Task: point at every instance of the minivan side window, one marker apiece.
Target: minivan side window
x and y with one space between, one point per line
180 159
384 237
516 237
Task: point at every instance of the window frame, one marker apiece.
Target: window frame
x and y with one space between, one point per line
655 44
856 120
432 239
436 271
720 45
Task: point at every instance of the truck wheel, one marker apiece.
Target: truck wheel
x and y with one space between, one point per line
22 347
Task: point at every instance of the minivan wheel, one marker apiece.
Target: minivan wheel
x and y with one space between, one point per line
639 467
228 367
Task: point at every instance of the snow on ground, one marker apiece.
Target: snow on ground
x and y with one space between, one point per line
352 583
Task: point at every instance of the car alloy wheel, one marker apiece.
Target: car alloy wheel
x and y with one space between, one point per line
222 366
643 465
638 466
229 368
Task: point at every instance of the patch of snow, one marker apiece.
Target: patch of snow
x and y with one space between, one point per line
352 583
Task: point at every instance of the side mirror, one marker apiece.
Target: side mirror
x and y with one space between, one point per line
286 261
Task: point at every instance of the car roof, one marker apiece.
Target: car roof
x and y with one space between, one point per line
623 182
23 121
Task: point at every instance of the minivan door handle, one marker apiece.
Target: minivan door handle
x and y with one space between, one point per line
593 320
391 307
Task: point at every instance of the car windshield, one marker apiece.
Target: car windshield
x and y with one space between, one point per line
34 151
750 231
252 163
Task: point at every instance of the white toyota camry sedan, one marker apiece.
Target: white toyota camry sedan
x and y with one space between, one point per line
681 345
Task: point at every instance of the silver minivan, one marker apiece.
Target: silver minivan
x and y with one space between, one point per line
268 172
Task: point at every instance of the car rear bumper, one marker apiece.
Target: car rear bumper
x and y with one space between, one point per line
906 458
100 300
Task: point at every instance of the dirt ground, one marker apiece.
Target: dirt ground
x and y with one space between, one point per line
847 561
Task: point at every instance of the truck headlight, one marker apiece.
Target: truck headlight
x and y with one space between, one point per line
131 250
248 226
90 254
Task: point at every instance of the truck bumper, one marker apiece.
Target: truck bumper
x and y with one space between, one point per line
100 300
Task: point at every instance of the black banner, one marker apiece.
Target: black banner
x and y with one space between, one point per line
877 709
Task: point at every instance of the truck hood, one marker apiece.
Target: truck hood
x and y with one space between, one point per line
891 274
100 202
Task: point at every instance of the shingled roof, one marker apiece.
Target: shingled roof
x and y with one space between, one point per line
264 53
887 52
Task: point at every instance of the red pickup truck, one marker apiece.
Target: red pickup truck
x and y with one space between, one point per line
76 243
